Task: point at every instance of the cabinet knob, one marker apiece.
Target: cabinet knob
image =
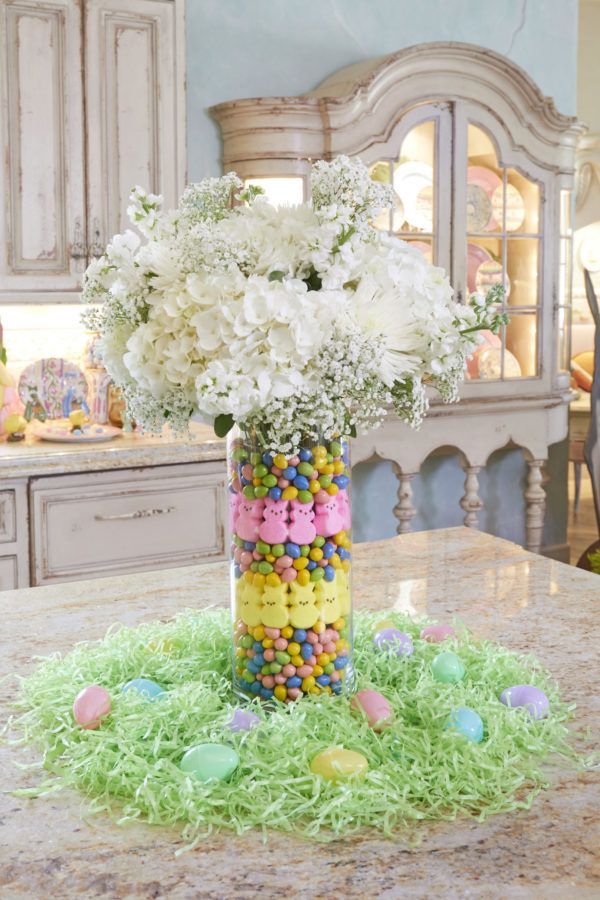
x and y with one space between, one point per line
96 247
138 514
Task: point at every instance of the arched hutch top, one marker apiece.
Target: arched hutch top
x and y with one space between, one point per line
482 167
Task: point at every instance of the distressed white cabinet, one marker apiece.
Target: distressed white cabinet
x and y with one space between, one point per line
42 214
105 523
92 101
14 535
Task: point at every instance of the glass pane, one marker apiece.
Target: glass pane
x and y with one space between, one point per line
484 264
565 212
425 247
486 361
414 180
564 342
387 220
280 191
522 271
522 203
484 184
520 357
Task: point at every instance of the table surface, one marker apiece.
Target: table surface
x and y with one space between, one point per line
50 847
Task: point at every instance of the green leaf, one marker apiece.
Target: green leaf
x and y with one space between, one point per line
353 431
3 356
223 425
276 275
312 281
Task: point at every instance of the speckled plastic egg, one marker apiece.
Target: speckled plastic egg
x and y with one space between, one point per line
91 705
375 707
448 668
531 698
466 722
210 762
144 686
338 764
393 639
435 634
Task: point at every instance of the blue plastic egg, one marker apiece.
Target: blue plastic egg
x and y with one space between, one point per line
466 722
145 687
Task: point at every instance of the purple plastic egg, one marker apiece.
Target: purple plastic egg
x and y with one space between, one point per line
393 639
242 721
533 699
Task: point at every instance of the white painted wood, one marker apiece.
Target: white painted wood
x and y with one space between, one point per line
42 214
535 497
14 534
84 526
135 113
404 510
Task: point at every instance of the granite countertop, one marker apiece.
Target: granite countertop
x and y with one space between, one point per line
50 848
33 457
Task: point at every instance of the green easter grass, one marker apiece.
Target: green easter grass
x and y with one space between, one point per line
129 767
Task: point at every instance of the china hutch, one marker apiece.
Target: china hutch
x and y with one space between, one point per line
481 164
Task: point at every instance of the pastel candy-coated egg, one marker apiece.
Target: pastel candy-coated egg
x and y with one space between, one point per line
91 705
242 721
145 687
281 643
533 699
285 561
269 654
210 762
289 575
393 639
283 483
294 693
448 668
304 671
305 455
272 633
466 722
334 676
375 707
280 679
268 681
289 671
292 550
290 473
338 764
435 634
321 496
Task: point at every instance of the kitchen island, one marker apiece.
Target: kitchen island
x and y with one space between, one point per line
50 847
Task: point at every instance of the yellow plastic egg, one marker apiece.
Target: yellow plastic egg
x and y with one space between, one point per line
337 764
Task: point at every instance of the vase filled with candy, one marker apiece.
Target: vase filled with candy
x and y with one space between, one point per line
290 528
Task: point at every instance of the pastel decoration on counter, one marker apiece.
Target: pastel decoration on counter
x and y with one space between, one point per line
397 641
338 764
14 427
531 698
77 419
10 402
210 762
56 384
375 707
435 634
145 687
91 706
467 723
448 668
61 431
243 721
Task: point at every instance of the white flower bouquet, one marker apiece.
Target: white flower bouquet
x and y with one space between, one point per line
293 322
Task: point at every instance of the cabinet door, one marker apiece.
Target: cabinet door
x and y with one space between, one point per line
135 107
41 130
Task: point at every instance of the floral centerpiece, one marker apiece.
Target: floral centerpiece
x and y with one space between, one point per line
301 326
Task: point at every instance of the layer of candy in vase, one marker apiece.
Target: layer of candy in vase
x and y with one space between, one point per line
290 524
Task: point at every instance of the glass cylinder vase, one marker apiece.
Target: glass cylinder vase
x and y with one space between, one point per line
290 527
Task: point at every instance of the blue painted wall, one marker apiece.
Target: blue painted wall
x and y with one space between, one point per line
253 48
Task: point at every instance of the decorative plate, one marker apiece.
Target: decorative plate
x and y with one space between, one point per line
515 207
56 384
490 274
60 432
479 208
413 182
476 255
382 221
489 182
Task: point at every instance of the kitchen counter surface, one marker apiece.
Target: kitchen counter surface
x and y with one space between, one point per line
49 847
129 450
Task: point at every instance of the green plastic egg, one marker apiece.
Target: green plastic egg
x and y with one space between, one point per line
210 762
448 668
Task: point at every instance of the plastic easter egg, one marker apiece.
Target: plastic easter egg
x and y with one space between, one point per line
383 623
242 721
145 687
91 705
393 639
338 764
466 722
435 634
375 707
448 668
210 762
533 699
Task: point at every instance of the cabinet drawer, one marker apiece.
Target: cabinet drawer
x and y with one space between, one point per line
85 526
8 517
9 579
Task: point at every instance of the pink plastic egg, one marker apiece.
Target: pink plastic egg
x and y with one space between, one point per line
91 705
435 634
375 707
